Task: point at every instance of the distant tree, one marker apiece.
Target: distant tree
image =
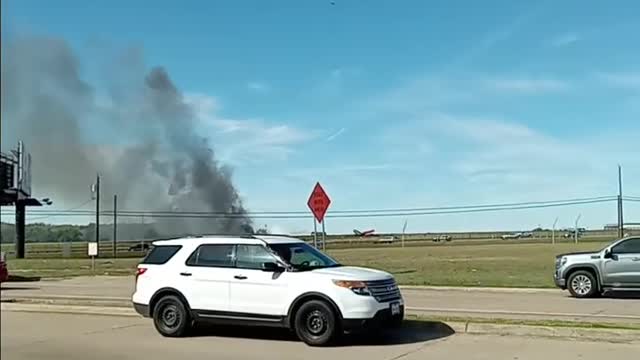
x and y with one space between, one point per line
262 231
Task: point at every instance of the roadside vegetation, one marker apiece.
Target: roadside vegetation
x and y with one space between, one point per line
491 265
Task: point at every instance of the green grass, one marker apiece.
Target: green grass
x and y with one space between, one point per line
504 265
512 265
545 323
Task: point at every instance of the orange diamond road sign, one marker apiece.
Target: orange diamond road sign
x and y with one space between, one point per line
318 202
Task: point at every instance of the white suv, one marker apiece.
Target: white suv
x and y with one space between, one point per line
261 280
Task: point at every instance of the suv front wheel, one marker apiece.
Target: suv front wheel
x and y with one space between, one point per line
582 284
170 317
316 323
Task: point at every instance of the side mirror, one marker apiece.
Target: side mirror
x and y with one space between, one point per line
607 254
272 267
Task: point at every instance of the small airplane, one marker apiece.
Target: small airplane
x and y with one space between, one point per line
363 233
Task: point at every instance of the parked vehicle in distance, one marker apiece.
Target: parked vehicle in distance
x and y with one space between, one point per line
387 239
262 280
4 271
587 274
442 237
511 236
139 247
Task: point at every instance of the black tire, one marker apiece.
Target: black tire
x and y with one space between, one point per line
316 323
582 284
171 317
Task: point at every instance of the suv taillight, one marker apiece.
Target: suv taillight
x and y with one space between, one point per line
140 271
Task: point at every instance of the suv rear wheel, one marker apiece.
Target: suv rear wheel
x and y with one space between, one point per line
582 284
170 317
316 323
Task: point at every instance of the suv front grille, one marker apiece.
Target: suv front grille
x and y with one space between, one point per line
384 290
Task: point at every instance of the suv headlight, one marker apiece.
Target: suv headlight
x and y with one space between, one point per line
358 287
563 261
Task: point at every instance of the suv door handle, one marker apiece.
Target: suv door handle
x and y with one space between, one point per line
240 277
185 274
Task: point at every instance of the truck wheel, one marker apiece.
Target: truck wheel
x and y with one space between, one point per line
316 324
582 284
170 317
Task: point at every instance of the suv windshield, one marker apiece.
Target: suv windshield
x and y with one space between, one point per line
302 256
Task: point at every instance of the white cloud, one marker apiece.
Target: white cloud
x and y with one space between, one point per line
244 140
510 157
565 39
496 155
258 86
527 85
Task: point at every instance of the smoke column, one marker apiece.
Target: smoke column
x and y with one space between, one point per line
139 133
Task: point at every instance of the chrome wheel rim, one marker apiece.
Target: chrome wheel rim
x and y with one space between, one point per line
581 284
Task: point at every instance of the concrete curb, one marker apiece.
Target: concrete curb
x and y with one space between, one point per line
585 334
482 289
69 309
122 302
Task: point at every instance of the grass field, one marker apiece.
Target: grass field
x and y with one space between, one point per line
504 265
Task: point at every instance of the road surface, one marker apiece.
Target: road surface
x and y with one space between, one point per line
26 336
517 304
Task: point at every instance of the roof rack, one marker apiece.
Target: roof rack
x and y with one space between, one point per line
242 236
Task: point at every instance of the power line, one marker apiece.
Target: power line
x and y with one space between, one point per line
436 211
71 209
368 211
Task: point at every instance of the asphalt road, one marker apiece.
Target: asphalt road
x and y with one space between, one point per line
73 337
518 304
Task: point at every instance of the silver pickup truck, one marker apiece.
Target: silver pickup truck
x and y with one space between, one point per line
587 274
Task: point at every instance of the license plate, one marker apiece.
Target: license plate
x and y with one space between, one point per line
395 308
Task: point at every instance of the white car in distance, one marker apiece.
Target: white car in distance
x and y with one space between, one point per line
261 280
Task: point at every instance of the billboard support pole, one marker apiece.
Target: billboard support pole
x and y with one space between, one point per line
20 229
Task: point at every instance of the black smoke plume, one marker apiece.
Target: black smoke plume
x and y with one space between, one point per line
139 134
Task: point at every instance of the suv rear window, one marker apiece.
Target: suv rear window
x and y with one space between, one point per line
160 254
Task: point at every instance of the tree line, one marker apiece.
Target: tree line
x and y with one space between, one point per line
41 232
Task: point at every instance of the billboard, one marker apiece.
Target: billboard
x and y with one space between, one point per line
24 170
7 173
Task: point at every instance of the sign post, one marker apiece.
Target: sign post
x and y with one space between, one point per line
315 233
324 239
92 251
318 203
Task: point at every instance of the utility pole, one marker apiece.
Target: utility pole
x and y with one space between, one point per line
575 230
553 232
98 212
620 214
404 230
115 224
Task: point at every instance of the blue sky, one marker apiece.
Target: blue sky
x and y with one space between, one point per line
392 104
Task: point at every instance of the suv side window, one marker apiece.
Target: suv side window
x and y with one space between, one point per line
252 256
212 255
631 246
